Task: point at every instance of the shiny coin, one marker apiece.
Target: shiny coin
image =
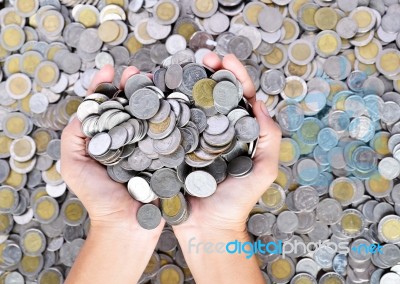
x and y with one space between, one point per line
200 184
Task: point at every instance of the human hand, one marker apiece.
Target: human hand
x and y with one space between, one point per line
229 206
107 202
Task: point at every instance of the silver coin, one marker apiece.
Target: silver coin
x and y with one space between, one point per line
149 216
200 184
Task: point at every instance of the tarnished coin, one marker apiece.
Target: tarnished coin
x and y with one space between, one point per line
148 216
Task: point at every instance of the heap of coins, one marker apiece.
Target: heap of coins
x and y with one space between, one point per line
189 136
328 72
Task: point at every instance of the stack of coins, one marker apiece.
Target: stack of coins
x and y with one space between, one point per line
189 136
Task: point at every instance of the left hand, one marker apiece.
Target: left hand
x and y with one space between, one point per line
107 202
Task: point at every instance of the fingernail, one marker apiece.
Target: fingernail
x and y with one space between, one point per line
264 109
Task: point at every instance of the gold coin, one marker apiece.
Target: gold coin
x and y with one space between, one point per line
343 191
11 17
120 3
12 64
282 179
203 93
32 242
288 151
301 52
141 33
5 223
42 137
88 16
378 185
52 174
15 180
204 6
166 12
26 8
171 206
297 70
295 6
52 22
291 30
74 211
251 12
185 29
46 208
153 265
29 62
158 128
5 143
351 223
390 228
31 264
30 34
16 126
18 86
277 58
23 104
326 18
8 198
22 167
369 69
307 15
281 269
364 17
169 276
53 49
328 43
47 74
39 192
367 54
388 62
272 197
4 53
50 276
12 37
23 149
72 105
294 89
380 144
132 44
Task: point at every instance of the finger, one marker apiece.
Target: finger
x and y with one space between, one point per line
212 61
105 75
231 63
128 72
73 129
266 159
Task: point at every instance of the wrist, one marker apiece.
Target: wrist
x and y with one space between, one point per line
125 230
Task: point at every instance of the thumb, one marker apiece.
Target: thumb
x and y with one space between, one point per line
266 158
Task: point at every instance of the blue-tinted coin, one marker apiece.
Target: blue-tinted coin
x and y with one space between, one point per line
327 138
364 159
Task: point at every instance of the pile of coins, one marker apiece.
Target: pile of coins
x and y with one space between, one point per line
328 72
161 142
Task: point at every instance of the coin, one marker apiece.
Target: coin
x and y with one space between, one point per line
200 184
148 216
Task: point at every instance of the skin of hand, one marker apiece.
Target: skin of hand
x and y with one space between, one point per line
229 206
111 209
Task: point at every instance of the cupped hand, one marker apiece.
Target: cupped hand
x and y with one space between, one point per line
229 206
107 202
